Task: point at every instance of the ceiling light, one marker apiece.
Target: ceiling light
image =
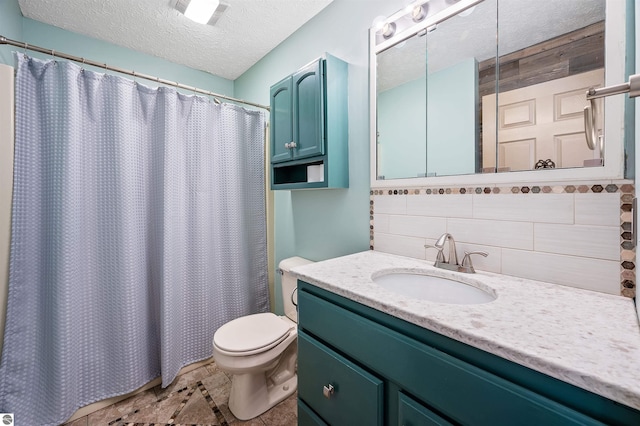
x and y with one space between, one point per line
201 11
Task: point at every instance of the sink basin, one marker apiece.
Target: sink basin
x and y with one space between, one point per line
434 289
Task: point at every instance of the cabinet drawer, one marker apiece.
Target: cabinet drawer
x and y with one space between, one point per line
412 413
459 390
306 416
357 395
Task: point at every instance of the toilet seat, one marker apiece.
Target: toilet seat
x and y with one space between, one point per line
251 334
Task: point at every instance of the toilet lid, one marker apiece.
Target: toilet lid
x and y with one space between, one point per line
251 332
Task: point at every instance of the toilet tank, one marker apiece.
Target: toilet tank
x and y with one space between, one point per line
289 285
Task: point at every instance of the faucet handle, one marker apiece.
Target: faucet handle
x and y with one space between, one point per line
467 265
440 255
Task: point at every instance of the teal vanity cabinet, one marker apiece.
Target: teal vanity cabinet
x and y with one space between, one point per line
359 366
309 127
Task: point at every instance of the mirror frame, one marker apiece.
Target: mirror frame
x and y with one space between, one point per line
613 169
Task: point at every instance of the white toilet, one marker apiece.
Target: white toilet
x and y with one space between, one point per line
261 351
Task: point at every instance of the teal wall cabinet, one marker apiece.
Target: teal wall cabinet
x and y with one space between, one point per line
381 370
309 127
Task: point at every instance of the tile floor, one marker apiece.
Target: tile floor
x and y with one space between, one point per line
198 397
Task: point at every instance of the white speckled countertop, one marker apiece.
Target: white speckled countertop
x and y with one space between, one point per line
588 339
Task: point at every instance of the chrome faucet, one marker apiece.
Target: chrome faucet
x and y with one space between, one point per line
451 263
453 257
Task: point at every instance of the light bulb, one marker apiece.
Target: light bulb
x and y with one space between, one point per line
419 13
388 29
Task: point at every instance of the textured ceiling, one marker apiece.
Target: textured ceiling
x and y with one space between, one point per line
246 32
522 23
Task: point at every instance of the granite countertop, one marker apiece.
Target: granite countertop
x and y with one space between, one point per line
588 339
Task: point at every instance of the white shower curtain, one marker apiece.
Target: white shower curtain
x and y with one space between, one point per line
138 229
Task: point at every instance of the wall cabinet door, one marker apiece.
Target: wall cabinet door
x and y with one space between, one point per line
308 111
281 120
297 118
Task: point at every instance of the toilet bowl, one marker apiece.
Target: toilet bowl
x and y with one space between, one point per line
260 350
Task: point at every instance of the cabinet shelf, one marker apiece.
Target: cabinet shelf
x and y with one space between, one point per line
302 174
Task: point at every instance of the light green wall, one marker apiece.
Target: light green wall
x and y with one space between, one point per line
452 128
10 27
320 224
446 146
402 151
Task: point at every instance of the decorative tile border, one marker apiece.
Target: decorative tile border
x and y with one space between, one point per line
626 191
530 189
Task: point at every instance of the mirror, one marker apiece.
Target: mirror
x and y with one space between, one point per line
402 110
451 101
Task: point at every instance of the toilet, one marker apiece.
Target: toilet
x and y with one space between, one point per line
261 352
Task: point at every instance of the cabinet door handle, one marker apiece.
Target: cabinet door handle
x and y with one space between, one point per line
287 146
292 145
327 391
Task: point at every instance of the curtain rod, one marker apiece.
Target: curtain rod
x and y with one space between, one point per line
27 46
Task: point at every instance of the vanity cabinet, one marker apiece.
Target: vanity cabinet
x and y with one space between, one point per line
382 370
343 385
309 133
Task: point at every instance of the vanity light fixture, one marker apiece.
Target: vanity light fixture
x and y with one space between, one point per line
388 29
412 13
419 12
201 11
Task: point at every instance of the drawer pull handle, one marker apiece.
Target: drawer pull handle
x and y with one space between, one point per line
327 391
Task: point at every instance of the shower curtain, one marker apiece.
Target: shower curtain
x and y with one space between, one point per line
138 229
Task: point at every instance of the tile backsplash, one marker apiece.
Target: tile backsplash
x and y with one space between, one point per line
574 235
